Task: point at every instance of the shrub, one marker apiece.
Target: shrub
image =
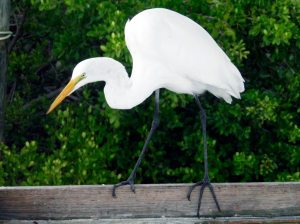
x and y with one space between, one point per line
84 141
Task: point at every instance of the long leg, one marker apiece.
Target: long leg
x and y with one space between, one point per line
205 182
155 123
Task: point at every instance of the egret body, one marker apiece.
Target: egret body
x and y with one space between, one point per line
168 51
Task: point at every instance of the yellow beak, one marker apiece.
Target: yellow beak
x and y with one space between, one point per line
64 93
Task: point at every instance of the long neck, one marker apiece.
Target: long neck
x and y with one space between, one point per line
122 92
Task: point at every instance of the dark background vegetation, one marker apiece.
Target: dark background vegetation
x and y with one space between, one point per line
85 142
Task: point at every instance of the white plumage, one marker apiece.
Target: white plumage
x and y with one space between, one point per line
169 51
178 54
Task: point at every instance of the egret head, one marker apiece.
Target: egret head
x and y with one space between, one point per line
88 71
80 76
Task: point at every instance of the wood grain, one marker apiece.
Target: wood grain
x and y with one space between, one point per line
149 201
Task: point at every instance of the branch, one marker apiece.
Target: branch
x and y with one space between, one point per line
12 92
49 95
43 68
18 32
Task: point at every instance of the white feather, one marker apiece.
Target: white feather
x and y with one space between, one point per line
169 51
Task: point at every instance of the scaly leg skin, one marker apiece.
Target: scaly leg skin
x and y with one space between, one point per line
155 122
205 182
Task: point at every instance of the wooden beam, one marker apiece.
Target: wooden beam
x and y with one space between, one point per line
149 201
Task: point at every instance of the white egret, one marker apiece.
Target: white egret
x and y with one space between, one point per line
168 51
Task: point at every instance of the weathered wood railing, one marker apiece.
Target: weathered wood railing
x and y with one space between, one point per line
152 203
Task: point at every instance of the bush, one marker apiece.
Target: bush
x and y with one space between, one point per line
85 142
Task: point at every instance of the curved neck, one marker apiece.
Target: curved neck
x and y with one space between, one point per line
122 92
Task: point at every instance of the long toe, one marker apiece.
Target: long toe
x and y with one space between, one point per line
132 187
203 184
192 188
123 183
211 188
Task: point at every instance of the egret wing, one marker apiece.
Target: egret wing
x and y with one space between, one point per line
180 49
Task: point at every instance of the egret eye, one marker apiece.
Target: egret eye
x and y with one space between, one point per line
82 76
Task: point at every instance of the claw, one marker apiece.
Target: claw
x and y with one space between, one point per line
192 188
205 183
132 187
126 182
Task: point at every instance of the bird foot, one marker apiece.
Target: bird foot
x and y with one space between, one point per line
204 183
129 181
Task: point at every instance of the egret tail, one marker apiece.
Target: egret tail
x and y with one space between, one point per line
155 123
206 181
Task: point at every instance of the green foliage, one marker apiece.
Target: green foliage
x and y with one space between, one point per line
244 165
256 138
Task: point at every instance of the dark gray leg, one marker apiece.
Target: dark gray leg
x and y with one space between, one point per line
205 182
155 122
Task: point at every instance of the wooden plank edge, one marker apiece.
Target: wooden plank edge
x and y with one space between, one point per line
146 185
165 220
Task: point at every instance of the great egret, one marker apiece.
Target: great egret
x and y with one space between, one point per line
168 51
